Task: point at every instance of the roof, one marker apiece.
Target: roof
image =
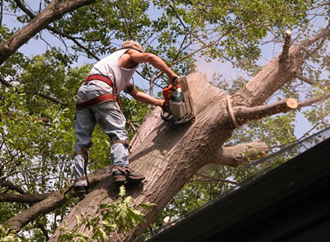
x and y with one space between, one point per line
288 203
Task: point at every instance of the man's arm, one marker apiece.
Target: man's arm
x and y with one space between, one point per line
154 60
143 97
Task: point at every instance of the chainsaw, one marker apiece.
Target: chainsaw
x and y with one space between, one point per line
178 107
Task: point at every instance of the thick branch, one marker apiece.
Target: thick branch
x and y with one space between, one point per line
244 114
49 204
305 79
274 75
236 155
12 186
54 10
233 154
26 198
323 34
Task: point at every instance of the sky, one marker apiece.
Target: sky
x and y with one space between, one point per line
269 51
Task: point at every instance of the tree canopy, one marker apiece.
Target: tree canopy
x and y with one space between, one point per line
37 91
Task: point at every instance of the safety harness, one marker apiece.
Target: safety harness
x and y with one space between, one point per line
99 99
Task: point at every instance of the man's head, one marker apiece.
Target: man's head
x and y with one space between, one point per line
130 44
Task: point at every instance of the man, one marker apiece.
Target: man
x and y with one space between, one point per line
97 103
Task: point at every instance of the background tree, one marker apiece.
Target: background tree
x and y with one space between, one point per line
37 91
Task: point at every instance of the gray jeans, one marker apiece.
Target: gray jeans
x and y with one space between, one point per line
110 118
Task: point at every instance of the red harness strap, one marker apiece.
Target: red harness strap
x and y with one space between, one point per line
100 78
99 99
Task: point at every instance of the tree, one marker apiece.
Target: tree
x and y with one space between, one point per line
169 155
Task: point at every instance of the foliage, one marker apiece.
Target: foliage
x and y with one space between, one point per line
111 218
37 107
8 236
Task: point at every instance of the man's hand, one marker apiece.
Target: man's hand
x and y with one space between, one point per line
175 81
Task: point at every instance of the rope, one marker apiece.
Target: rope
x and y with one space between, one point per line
231 113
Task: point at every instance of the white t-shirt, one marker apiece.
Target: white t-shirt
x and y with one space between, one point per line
109 67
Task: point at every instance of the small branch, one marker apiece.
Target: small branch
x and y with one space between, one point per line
54 10
1 12
313 100
205 178
319 46
43 229
54 30
305 79
284 57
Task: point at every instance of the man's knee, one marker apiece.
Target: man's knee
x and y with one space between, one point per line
124 142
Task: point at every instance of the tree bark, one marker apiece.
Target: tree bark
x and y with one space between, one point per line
169 155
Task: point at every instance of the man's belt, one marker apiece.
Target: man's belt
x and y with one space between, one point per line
97 100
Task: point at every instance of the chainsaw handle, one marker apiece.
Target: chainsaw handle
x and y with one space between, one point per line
175 81
167 117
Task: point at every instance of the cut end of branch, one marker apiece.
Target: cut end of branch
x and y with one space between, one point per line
288 32
292 103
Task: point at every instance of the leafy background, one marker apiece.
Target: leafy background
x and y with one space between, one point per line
39 83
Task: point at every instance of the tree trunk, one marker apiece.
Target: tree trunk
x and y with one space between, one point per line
168 155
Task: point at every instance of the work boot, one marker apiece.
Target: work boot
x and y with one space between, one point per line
121 175
118 174
80 186
133 177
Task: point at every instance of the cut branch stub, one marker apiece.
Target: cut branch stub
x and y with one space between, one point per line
284 57
235 155
244 114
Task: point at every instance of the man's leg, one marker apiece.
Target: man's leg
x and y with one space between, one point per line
112 121
84 126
